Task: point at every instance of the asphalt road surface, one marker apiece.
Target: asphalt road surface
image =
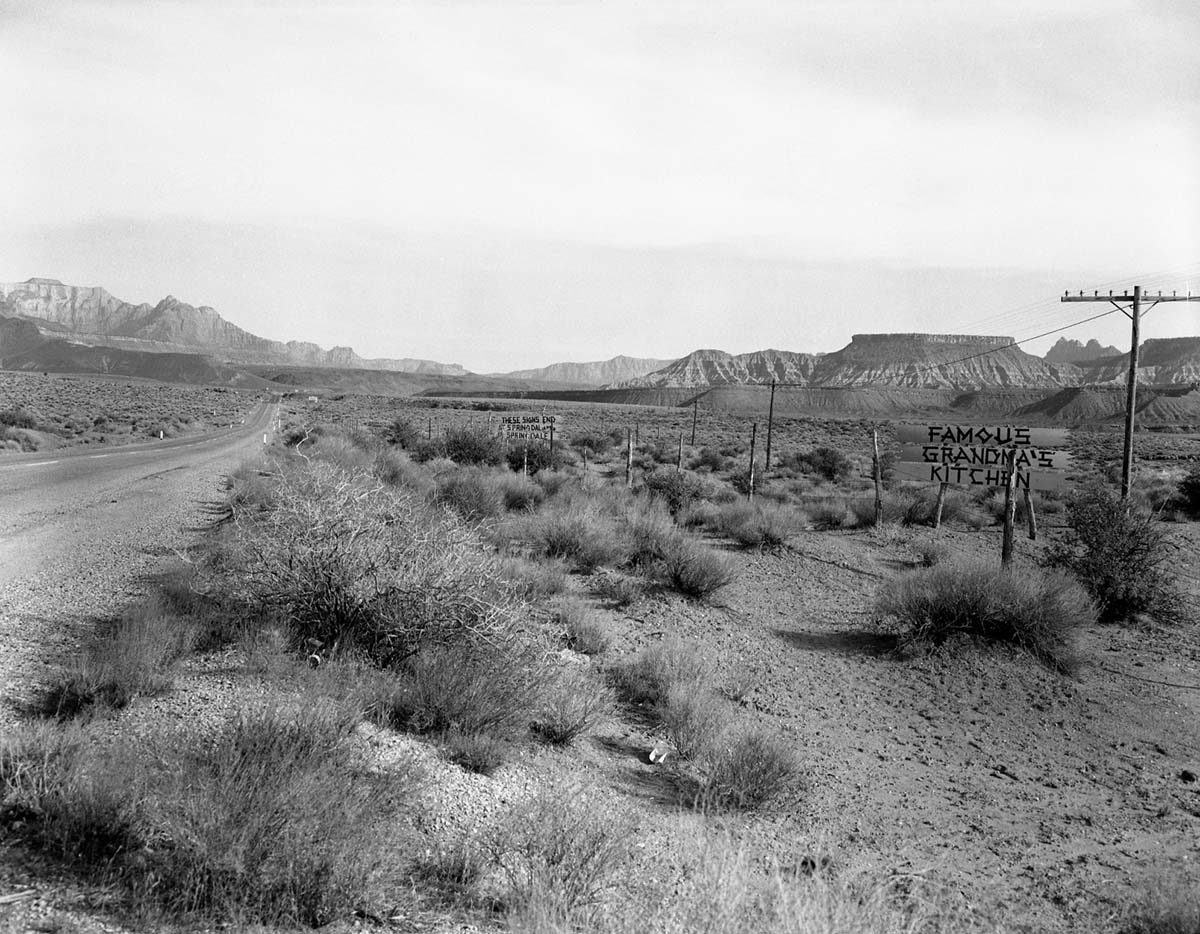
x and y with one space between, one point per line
81 531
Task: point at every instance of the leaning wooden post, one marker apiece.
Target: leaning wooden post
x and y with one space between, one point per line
1010 507
429 430
941 502
878 472
551 445
679 456
628 457
753 438
1030 516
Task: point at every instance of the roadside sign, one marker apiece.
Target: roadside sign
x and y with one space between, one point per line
529 426
995 476
963 456
981 435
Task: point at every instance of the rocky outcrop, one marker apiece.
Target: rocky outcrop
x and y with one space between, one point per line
703 368
1169 361
1071 351
91 315
599 373
958 361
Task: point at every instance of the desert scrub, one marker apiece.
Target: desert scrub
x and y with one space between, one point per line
574 701
695 570
482 689
694 719
649 533
1120 554
353 564
583 536
560 854
270 820
758 525
649 676
675 489
128 657
473 493
1030 608
582 629
748 769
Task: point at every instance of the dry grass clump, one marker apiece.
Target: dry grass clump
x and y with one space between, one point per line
582 629
560 856
270 820
649 676
574 701
696 570
1032 609
747 769
649 533
693 717
469 689
126 658
830 512
471 492
247 487
534 580
583 536
758 525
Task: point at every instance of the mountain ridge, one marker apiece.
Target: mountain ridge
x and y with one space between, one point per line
92 315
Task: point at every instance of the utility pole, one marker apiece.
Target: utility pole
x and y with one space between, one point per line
1134 313
770 424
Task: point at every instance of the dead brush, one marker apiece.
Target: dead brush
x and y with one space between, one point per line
359 566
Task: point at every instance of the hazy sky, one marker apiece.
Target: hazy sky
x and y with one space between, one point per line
505 184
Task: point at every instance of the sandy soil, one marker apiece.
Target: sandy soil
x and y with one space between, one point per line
1045 801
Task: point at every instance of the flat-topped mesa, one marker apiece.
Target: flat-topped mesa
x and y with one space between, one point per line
987 340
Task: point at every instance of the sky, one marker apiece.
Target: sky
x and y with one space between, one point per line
508 184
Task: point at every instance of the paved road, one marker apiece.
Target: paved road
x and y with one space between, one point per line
81 530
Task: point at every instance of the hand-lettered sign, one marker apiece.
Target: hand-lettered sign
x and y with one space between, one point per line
529 426
981 435
966 475
1025 458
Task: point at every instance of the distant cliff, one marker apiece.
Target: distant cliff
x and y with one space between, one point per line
599 373
91 315
717 368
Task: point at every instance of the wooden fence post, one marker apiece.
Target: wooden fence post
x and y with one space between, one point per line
628 457
1010 507
679 456
753 439
941 502
878 471
1030 516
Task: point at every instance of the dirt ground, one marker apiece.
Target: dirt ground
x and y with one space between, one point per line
1049 802
1046 802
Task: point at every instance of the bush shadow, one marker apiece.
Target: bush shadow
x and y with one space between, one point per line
842 641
